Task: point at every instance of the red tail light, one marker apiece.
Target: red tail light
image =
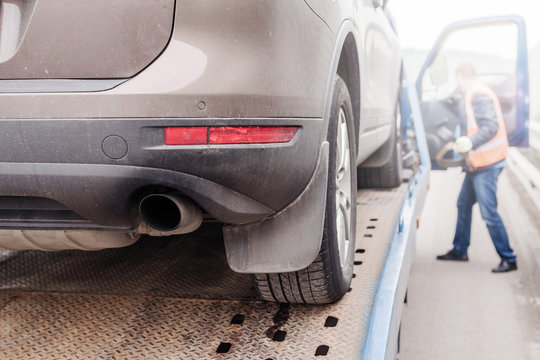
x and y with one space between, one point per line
229 135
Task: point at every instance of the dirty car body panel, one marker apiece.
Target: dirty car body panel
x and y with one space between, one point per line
86 98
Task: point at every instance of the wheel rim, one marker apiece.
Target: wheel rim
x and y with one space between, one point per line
343 188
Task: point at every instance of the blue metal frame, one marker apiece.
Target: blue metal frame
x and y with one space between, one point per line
382 336
381 341
520 137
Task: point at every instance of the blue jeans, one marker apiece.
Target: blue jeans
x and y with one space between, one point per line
481 187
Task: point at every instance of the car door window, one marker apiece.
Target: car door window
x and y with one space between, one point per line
496 47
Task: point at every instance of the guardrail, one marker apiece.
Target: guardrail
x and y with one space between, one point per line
527 174
534 135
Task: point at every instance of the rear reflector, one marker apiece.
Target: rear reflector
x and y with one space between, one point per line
229 135
250 135
186 136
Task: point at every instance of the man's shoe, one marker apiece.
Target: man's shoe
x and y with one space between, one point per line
505 266
451 255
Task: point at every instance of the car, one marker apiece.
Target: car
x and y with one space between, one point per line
126 118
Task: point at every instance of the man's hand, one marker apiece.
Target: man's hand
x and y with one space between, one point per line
463 145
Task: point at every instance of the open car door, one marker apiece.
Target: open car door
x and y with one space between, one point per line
497 48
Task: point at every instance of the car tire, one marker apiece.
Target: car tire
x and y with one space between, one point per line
329 277
390 174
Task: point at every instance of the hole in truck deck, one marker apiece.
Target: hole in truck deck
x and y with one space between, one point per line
331 321
360 251
371 227
322 350
223 348
357 263
374 219
281 317
238 319
279 336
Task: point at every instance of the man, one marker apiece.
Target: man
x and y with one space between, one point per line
485 147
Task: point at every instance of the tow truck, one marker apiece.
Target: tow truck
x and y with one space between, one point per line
178 299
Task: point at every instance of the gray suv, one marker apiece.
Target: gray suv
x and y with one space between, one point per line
128 117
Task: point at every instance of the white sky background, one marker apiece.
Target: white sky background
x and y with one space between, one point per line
419 22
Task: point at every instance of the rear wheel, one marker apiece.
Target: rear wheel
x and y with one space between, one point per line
328 278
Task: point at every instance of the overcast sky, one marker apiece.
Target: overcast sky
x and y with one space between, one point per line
419 22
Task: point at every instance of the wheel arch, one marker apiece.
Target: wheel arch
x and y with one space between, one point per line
346 64
349 70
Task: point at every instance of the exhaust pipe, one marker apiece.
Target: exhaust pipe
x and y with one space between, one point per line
168 214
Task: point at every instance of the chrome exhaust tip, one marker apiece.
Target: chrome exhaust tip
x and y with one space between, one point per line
169 214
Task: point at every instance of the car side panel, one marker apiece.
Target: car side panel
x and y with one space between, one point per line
380 67
378 51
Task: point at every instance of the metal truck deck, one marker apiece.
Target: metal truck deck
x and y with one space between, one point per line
177 298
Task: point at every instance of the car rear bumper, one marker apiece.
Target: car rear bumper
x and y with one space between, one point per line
92 173
82 152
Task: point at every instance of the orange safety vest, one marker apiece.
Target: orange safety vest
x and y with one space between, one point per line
495 149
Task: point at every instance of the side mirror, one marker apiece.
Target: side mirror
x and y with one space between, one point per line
439 71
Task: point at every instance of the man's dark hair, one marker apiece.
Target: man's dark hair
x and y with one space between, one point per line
467 70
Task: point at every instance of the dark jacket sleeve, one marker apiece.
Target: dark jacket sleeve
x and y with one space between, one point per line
486 119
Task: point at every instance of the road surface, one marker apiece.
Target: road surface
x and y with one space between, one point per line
462 310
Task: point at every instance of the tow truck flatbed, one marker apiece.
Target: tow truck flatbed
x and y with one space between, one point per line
177 298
